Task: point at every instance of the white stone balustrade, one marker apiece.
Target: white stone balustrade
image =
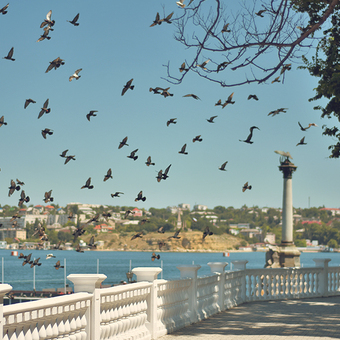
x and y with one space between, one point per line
151 308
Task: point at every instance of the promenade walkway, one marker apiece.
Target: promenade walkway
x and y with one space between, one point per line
304 319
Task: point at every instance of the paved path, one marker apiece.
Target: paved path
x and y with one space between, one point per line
317 318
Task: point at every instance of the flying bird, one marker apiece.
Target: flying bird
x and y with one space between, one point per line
166 171
9 55
197 139
68 158
108 175
161 230
123 142
259 13
78 232
50 256
248 140
44 109
74 20
161 244
156 90
88 184
167 18
219 102
228 101
165 93
159 175
45 34
211 119
23 198
27 259
91 114
116 194
148 161
309 125
29 101
48 20
138 235
128 86
127 213
133 155
2 121
275 112
56 63
276 80
46 132
183 150
222 167
3 9
154 257
175 235
78 249
48 197
180 3
206 233
253 96
157 20
36 263
222 66
182 68
302 142
57 265
75 75
140 197
203 64
286 67
192 95
91 244
246 186
171 121
225 29
12 188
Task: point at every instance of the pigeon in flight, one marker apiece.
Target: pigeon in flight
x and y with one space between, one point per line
192 95
183 150
78 249
45 132
74 20
116 194
248 140
91 114
276 80
23 198
225 29
9 56
167 18
50 256
285 154
123 142
165 93
211 119
154 257
3 10
182 68
140 197
228 101
197 139
133 155
48 20
57 265
138 235
75 75
108 175
29 101
56 63
91 244
88 184
246 186
222 167
45 34
157 20
206 233
253 96
148 161
166 171
27 259
128 86
302 142
180 3
309 125
203 64
12 188
44 109
159 176
175 235
36 263
171 121
259 13
2 121
48 197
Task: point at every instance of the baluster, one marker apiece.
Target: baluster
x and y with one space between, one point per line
21 335
35 332
14 335
42 330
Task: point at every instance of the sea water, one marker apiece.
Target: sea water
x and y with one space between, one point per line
115 265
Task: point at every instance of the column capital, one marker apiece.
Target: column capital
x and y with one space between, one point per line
189 270
217 267
321 262
287 167
239 264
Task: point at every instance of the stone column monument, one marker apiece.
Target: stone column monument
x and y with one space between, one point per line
286 254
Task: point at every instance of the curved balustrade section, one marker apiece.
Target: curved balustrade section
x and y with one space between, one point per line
207 296
233 289
62 317
333 280
172 305
123 312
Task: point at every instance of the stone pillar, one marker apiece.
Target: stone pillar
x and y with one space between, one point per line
90 283
4 289
289 255
190 271
150 274
241 265
323 278
218 267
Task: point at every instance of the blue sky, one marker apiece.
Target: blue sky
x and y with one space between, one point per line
113 44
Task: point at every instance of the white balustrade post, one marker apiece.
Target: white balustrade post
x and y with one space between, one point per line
150 274
90 283
241 265
323 279
218 267
4 289
190 271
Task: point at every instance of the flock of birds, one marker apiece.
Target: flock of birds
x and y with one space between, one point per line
35 262
48 26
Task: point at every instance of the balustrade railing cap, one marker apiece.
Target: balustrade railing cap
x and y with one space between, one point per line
146 273
217 267
5 288
86 282
189 270
321 262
